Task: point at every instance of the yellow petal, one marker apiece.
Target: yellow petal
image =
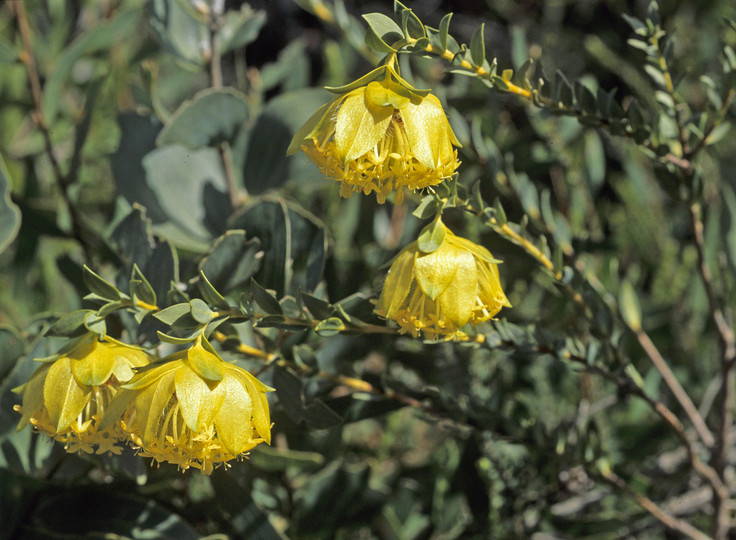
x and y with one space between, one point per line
397 284
64 398
190 391
428 131
126 358
151 404
207 365
309 126
357 129
379 95
33 395
457 300
435 271
92 363
261 414
233 420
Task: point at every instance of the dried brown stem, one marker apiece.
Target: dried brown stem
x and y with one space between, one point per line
667 519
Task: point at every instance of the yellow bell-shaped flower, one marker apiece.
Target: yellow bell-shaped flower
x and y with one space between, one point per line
436 293
384 136
68 397
194 409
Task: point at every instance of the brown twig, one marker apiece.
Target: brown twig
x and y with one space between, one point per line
675 387
722 522
235 193
667 519
63 182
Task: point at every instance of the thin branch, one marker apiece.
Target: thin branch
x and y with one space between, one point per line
667 519
674 385
63 182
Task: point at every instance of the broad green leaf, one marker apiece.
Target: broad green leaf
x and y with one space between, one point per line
431 237
265 299
212 116
478 46
210 294
382 32
264 167
100 37
330 327
294 244
9 212
70 324
182 32
201 312
240 28
190 188
99 286
232 261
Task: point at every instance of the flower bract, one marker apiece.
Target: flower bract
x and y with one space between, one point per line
381 137
436 293
68 397
195 410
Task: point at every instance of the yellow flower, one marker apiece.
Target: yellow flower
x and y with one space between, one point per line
437 293
67 398
195 410
380 137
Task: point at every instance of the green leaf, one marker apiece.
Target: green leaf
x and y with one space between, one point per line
173 313
500 212
478 46
69 324
271 459
232 260
210 294
431 237
201 312
100 37
99 286
95 324
166 338
103 512
427 208
13 346
212 116
294 245
190 188
318 308
264 167
140 287
180 30
629 306
7 53
240 28
444 29
411 25
338 496
382 32
330 327
9 212
720 131
265 299
134 240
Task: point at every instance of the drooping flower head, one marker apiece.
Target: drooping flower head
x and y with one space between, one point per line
194 409
67 397
380 135
437 291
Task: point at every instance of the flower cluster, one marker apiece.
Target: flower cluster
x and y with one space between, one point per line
438 292
190 408
384 136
